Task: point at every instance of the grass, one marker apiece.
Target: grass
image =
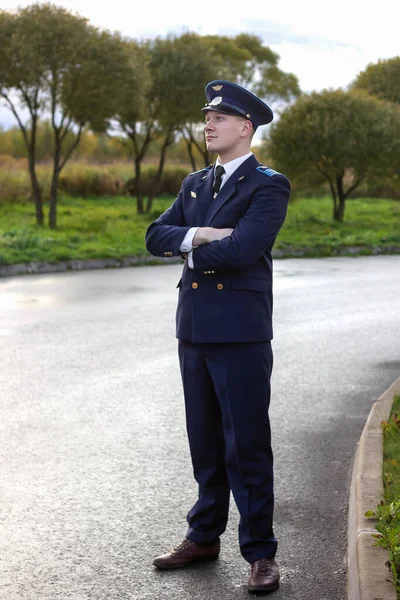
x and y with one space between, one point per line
388 512
391 454
369 223
105 227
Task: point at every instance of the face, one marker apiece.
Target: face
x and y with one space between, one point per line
226 134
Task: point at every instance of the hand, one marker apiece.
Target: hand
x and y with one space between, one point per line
205 235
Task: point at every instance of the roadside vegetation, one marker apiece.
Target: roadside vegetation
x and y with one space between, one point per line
109 226
388 512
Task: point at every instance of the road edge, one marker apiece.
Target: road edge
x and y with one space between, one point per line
38 268
41 267
368 577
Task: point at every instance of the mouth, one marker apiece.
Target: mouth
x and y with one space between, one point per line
210 137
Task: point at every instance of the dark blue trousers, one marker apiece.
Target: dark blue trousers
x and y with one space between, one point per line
227 394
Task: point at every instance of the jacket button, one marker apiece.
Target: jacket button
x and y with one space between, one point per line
220 286
195 285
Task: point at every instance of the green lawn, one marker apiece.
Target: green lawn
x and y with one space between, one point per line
109 227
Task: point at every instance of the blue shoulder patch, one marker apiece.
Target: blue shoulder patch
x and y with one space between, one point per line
268 171
200 170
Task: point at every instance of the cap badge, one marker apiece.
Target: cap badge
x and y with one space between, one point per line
217 87
215 101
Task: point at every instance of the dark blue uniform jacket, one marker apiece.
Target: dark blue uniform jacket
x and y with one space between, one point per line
227 297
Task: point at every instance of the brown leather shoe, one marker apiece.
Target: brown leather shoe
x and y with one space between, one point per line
264 576
187 553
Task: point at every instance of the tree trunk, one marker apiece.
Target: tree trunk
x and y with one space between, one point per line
149 204
339 206
169 138
30 144
139 195
36 191
189 148
54 184
191 155
139 203
202 148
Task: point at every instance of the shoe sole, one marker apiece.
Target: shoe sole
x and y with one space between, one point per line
265 589
192 562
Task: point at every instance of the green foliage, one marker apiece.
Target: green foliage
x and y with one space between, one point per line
181 67
245 60
391 453
381 79
387 513
388 536
56 63
326 135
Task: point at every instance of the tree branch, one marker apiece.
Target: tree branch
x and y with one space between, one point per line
327 176
16 115
72 148
355 184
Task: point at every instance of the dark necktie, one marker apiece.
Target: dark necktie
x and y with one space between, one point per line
219 171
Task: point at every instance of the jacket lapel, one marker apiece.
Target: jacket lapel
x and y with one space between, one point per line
228 189
204 194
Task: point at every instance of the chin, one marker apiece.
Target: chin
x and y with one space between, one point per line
212 147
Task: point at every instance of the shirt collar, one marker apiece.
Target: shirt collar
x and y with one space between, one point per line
231 166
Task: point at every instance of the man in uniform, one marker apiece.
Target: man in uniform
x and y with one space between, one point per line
224 222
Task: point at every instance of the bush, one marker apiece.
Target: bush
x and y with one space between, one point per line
169 185
92 182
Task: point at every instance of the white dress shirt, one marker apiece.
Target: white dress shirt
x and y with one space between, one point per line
230 167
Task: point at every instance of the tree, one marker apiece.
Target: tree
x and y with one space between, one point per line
324 135
20 84
135 113
173 72
58 66
245 60
381 79
181 67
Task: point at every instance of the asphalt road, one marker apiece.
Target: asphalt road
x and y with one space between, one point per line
95 473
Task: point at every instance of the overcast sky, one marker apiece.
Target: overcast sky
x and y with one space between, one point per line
324 44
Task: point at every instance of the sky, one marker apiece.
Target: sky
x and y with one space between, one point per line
325 44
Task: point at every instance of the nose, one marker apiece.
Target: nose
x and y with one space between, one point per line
208 126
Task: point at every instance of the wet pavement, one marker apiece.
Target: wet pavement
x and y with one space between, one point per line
95 473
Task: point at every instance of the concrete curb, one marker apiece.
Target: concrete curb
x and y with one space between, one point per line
368 577
37 268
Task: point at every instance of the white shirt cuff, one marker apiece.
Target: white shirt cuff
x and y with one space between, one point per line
187 244
190 260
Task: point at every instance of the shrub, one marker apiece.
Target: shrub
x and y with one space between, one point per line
170 183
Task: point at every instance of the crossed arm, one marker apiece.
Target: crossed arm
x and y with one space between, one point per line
205 235
225 248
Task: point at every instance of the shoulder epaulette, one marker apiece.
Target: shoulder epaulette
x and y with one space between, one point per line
200 170
267 171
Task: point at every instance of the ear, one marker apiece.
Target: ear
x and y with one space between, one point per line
246 129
